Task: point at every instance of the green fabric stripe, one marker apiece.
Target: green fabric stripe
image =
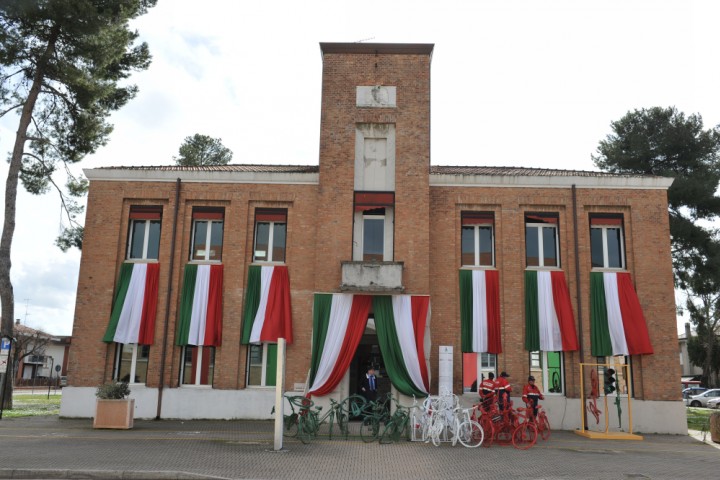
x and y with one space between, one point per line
186 304
252 301
600 344
321 319
390 347
532 317
466 311
271 369
123 283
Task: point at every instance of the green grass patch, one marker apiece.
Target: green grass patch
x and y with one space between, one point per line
33 406
699 418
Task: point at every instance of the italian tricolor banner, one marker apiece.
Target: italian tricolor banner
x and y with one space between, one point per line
133 314
617 323
480 311
549 320
268 313
201 306
339 321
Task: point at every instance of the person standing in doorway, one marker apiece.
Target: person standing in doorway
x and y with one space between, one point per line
368 385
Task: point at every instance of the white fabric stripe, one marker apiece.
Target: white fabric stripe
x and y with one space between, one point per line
480 330
128 328
337 329
266 274
614 315
198 317
402 311
550 338
428 345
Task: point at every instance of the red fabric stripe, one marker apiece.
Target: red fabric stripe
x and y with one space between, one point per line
356 327
420 305
207 215
278 314
474 218
636 332
492 299
378 200
271 217
213 321
146 336
470 373
605 221
145 215
563 310
541 219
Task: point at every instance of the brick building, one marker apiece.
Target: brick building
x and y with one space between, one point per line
522 258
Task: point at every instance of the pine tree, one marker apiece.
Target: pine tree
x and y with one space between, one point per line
201 150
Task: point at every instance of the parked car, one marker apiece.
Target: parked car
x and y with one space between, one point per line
714 403
703 399
692 391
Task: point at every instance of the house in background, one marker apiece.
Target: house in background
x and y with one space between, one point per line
39 354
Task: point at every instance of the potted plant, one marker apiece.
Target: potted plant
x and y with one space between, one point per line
112 408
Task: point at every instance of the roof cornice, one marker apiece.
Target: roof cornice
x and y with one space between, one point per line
200 176
530 181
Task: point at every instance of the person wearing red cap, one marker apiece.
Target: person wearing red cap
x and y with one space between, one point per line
532 395
503 388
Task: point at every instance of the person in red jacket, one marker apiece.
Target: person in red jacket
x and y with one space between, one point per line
503 388
487 391
532 395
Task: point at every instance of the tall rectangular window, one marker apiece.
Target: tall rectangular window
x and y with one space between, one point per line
262 365
131 363
476 367
144 234
606 241
198 365
270 235
541 240
477 243
207 234
547 368
373 226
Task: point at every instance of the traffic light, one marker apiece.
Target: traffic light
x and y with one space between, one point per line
609 381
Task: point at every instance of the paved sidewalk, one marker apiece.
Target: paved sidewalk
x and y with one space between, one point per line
48 447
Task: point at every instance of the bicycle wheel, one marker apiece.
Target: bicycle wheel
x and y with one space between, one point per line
291 425
524 436
369 430
488 430
543 426
388 433
343 422
305 429
471 434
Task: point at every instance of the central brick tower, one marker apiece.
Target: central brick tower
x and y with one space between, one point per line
373 222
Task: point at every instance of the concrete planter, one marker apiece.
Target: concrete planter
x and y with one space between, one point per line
715 427
116 414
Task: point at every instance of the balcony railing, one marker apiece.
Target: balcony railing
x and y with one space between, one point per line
372 277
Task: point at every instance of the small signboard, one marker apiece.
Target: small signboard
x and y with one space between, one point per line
4 354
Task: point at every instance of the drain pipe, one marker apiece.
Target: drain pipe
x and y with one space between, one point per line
167 299
578 294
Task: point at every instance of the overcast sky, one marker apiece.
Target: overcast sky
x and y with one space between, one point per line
514 83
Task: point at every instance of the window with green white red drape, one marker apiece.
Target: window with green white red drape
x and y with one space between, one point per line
201 311
480 311
268 312
617 322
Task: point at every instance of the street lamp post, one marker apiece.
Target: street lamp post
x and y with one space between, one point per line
52 364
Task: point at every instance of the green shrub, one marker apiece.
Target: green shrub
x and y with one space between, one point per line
113 391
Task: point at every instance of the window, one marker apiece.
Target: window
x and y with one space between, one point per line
207 235
606 241
131 363
477 245
541 240
262 364
476 367
270 235
144 235
373 227
198 365
547 368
